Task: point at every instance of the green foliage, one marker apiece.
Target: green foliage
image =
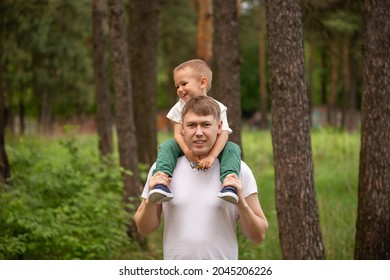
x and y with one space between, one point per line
48 58
336 159
48 54
177 43
61 203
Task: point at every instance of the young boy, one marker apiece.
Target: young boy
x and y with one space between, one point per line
193 78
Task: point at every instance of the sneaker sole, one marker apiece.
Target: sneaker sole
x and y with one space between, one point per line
229 197
159 196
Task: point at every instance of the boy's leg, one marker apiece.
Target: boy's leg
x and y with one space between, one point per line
166 161
230 161
168 153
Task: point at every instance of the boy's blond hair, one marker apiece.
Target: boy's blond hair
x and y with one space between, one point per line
199 67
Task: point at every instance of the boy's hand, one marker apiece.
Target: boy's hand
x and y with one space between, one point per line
207 162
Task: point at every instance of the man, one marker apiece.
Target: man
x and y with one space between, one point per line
202 226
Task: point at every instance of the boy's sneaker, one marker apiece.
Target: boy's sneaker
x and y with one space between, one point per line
160 193
229 194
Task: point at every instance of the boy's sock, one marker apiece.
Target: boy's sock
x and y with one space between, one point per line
160 193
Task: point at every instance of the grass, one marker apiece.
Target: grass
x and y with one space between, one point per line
335 156
336 161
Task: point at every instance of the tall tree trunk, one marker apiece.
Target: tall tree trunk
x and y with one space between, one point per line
22 111
124 115
309 74
4 164
262 68
227 63
297 210
143 63
324 80
332 104
373 216
45 118
102 88
350 95
205 30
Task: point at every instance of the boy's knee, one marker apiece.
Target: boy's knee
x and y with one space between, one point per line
230 146
168 144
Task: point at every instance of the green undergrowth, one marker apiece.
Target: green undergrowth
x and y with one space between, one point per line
62 202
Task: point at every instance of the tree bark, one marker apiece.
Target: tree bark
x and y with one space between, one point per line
350 96
262 68
5 170
309 75
297 210
332 104
227 63
143 63
205 31
4 164
124 115
324 79
373 216
22 114
102 89
46 116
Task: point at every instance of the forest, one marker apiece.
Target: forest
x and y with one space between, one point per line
84 91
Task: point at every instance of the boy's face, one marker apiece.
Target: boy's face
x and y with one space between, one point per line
188 84
200 132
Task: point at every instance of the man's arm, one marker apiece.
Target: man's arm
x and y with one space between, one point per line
253 222
148 215
147 218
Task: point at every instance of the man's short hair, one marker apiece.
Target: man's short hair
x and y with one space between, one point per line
200 67
203 106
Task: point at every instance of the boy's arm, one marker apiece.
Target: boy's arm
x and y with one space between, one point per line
220 143
177 134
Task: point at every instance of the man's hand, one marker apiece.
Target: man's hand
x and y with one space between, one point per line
159 178
234 181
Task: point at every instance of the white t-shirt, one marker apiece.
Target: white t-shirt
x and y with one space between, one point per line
197 223
175 114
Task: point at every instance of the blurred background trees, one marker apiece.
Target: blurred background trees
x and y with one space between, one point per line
48 59
63 63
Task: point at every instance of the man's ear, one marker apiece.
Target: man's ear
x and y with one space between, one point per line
220 127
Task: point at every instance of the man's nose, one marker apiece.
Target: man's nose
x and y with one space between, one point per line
199 130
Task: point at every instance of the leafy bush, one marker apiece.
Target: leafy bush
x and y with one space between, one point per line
61 203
